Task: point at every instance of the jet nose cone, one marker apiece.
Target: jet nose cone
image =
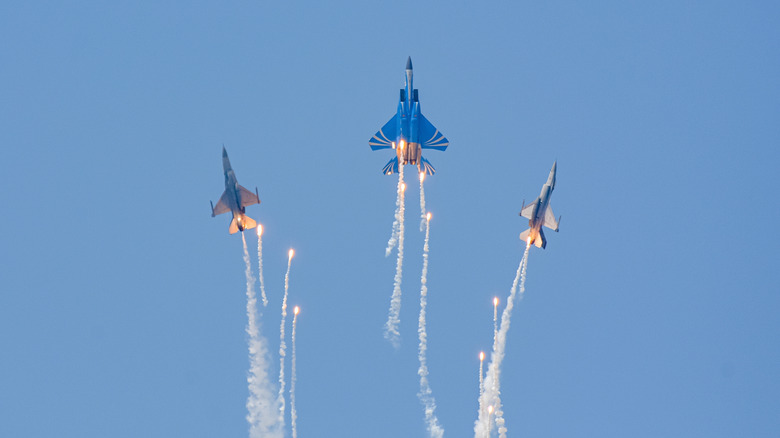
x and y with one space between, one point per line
554 168
409 63
224 152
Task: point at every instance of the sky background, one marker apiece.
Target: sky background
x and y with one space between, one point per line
653 312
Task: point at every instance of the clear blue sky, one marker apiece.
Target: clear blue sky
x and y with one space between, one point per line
654 311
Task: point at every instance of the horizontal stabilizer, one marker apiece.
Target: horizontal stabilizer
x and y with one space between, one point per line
430 137
391 167
524 235
426 167
247 197
385 137
541 241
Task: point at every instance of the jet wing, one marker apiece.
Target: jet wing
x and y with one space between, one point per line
549 219
528 210
247 197
385 137
222 205
430 137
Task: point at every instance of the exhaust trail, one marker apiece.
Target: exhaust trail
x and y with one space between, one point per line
398 215
426 395
261 405
495 321
481 380
422 202
260 263
293 412
492 393
282 344
393 318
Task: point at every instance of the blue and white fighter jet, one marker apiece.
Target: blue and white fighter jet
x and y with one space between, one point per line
235 199
408 132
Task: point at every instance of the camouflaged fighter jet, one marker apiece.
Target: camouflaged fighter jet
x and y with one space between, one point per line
540 213
235 199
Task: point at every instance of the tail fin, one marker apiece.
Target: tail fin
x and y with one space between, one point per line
425 166
241 223
391 167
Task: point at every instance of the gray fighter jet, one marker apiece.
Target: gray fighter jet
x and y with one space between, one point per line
540 213
235 199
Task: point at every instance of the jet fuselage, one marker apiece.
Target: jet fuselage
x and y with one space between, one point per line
234 199
539 213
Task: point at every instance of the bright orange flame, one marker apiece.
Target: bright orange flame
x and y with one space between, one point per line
428 216
393 143
528 241
403 187
259 230
422 176
290 254
481 356
296 310
490 410
402 145
495 302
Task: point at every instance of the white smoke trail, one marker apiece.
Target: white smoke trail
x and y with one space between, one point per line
481 380
492 394
398 216
423 219
260 263
261 404
293 378
425 394
393 318
282 344
495 321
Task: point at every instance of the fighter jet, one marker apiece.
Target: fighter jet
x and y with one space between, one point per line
540 213
235 199
408 132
